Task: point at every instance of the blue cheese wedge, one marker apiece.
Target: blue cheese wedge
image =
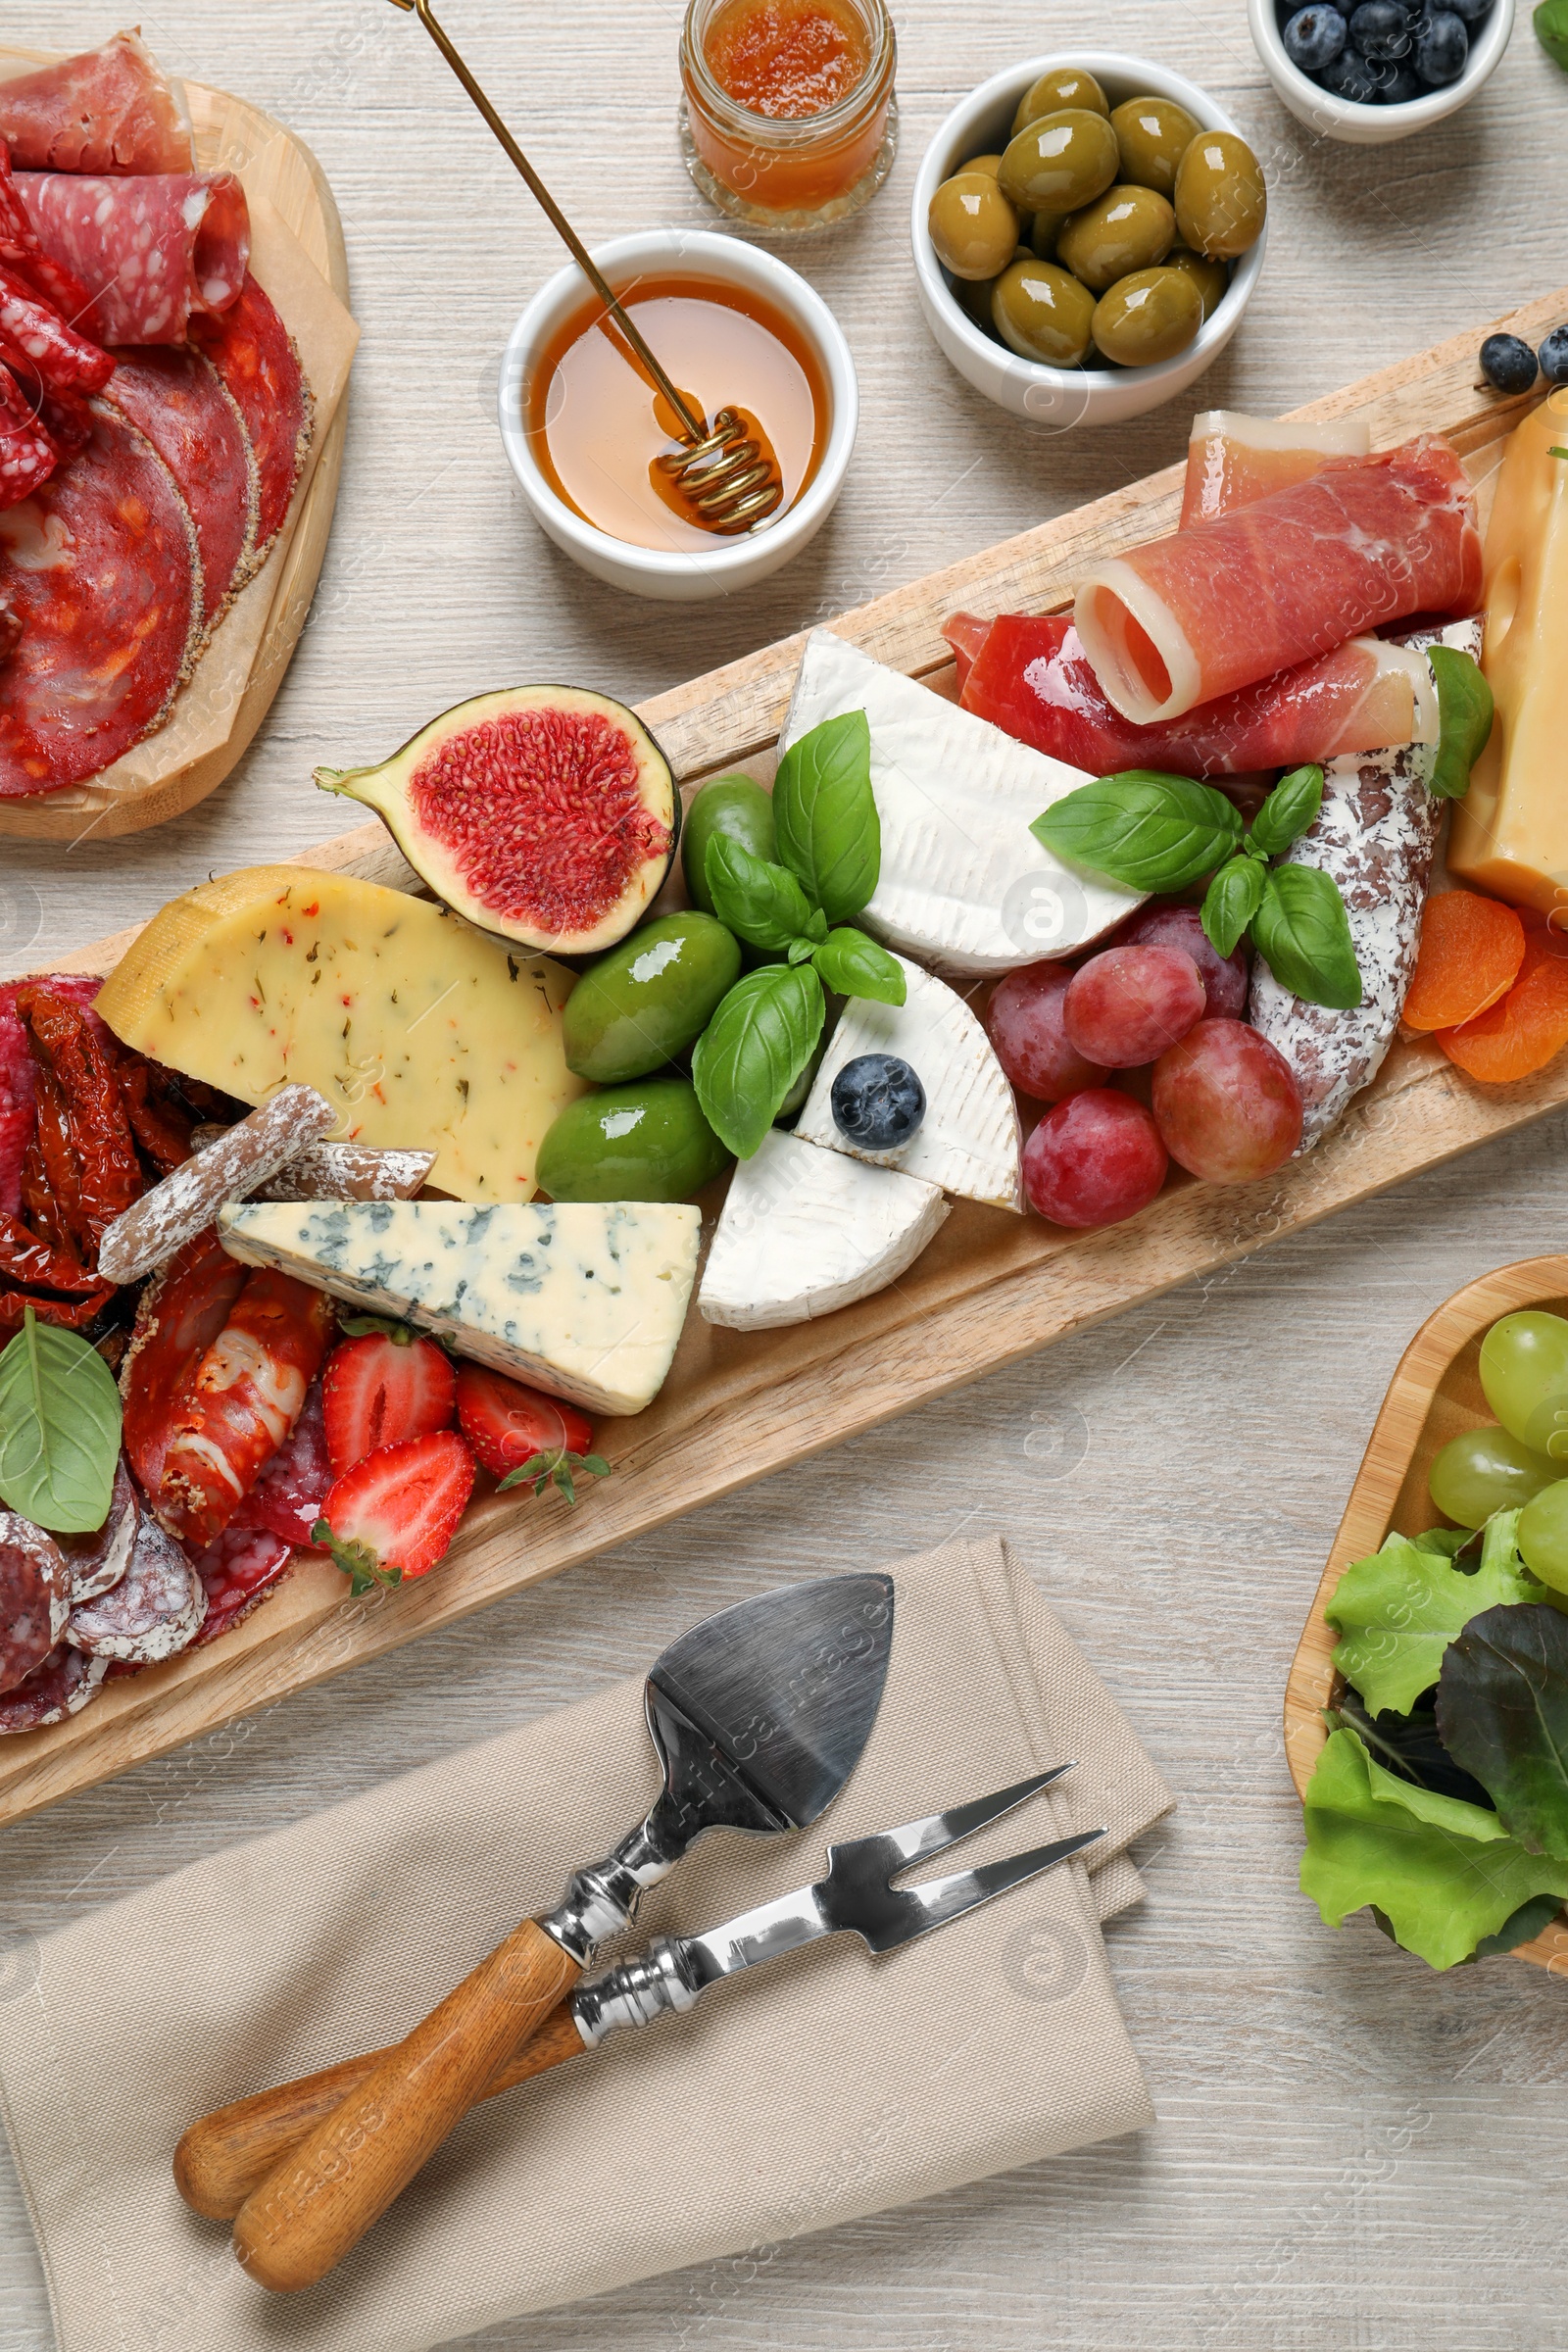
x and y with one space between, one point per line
965 884
806 1230
585 1299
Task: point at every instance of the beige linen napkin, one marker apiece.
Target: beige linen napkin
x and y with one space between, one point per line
817 2088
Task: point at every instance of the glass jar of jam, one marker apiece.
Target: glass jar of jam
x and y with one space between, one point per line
788 118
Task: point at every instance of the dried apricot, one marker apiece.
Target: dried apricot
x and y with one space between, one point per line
1470 956
1529 1027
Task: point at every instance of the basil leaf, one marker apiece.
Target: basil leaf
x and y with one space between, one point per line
802 951
754 1048
759 901
829 834
1550 21
1302 933
854 965
1464 720
59 1428
1233 899
1145 830
1288 811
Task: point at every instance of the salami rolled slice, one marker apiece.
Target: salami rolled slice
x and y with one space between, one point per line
179 401
254 353
153 252
239 1570
35 340
110 110
34 1597
96 1563
28 454
153 1613
102 566
62 1685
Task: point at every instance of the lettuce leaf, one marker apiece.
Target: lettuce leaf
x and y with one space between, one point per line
1398 1610
1502 1715
1445 1873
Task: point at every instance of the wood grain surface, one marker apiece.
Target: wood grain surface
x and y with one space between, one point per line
1349 2147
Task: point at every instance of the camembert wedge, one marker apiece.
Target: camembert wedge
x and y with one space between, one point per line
805 1231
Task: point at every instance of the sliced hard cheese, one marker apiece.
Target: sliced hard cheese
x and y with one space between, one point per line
584 1298
964 883
419 1031
968 1141
805 1231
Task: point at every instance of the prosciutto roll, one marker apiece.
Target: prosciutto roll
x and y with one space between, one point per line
153 252
1032 678
1233 460
110 110
1219 606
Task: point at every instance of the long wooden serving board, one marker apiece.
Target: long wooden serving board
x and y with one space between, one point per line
992 1288
243 667
1434 1395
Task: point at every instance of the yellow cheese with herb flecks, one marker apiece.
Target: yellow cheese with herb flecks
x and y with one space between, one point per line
420 1032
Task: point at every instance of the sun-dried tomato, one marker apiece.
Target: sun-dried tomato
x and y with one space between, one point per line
98 1128
51 1182
37 1265
159 1124
70 1314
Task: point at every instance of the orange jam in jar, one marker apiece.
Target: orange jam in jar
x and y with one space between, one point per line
788 118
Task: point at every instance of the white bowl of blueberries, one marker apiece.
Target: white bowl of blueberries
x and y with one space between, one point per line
1371 71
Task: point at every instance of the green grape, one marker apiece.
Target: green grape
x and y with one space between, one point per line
1544 1535
1523 1372
1487 1470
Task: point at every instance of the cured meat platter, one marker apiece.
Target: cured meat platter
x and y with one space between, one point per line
296 243
987 1291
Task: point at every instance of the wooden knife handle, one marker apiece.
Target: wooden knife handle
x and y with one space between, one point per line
227 2154
318 2202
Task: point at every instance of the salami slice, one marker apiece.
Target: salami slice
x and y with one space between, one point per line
153 1613
62 1685
254 353
238 1571
288 1496
96 1563
34 338
110 110
35 1597
28 455
180 402
153 252
102 566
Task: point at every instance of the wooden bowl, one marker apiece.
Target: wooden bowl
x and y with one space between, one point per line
1435 1394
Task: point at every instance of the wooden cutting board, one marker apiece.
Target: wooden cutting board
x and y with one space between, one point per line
990 1288
282 170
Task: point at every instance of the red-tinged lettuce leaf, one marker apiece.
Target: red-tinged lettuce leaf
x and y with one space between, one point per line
1502 1715
1409 1747
1446 1875
1397 1610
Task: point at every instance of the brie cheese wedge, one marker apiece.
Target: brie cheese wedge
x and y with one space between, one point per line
964 883
805 1231
968 1141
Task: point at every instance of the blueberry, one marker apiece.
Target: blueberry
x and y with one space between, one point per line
1508 364
1380 29
1350 76
1314 36
1398 86
1554 356
1471 10
878 1101
1441 48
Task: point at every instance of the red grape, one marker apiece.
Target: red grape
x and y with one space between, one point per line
1024 1021
1127 1006
1093 1160
1227 1103
1224 977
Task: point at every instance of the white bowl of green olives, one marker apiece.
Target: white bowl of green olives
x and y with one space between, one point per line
1367 100
1130 273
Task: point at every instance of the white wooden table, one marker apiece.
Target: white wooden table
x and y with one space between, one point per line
1349 2149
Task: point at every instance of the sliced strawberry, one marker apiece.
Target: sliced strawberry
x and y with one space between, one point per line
383 1387
523 1437
393 1515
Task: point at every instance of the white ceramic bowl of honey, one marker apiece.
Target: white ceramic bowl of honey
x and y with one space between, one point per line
733 326
1063 397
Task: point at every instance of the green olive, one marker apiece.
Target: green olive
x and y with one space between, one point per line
1063 85
973 227
1212 278
1125 229
973 295
1044 231
1151 315
1153 134
1043 313
1061 162
990 165
1220 198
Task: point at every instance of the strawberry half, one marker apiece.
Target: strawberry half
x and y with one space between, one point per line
394 1514
382 1388
523 1437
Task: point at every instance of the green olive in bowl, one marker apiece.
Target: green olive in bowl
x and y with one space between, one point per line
1061 162
1221 200
990 165
1044 231
1125 229
1146 317
974 229
1153 134
1043 313
1063 85
1212 278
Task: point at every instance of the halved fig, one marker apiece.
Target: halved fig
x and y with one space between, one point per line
547 815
